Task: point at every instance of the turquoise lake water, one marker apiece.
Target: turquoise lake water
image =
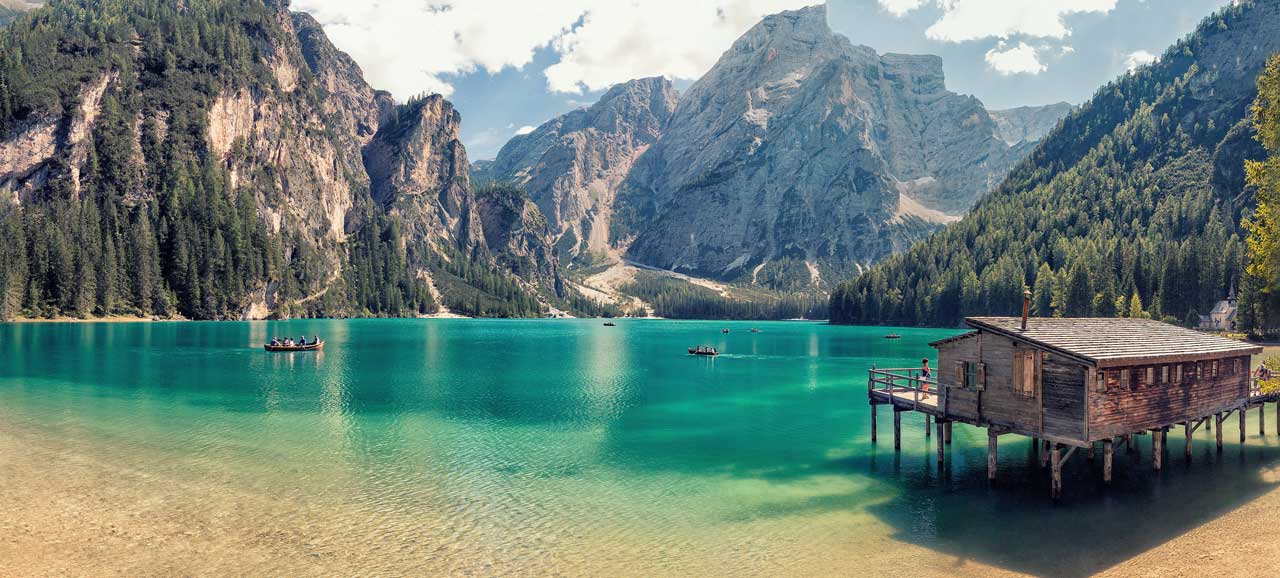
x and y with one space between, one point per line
494 447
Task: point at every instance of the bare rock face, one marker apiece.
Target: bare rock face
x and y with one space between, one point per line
572 165
799 146
1028 124
360 107
418 168
419 172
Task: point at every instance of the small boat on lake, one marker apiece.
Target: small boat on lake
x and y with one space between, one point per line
755 330
725 330
610 324
893 336
288 348
704 350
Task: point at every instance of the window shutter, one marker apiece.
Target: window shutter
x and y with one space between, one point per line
959 373
982 376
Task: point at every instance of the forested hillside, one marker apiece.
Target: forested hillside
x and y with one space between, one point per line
209 159
1130 207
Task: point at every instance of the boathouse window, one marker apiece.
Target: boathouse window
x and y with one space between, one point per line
1025 372
1164 374
1151 376
971 374
1099 381
1215 369
1177 373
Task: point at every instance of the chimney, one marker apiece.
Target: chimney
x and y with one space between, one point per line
1026 307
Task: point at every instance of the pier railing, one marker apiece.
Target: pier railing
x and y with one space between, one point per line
904 383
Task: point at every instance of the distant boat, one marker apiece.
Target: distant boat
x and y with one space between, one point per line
725 330
703 350
610 324
289 348
755 330
893 336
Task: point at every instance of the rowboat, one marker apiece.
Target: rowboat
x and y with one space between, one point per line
290 348
893 336
707 351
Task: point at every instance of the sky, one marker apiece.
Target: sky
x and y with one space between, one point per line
510 65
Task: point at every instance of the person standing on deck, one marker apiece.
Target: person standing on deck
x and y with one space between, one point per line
925 374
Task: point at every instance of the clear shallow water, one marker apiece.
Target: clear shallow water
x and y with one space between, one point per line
540 447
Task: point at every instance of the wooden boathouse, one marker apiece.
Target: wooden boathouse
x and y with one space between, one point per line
1072 383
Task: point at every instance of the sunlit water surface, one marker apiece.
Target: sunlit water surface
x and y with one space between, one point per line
568 447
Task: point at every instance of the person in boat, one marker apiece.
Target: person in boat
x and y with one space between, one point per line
315 339
288 342
302 341
275 341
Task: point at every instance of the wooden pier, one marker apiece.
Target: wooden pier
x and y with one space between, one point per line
1075 384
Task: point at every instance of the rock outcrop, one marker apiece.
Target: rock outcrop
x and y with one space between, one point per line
1028 124
800 146
572 165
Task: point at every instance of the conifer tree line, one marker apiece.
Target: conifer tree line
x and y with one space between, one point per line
679 299
1132 206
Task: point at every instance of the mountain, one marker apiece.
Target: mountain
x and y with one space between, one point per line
220 159
1131 206
573 164
800 155
1028 124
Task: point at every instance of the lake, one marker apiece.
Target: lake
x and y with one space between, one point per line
540 447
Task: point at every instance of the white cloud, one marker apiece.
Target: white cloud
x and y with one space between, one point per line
526 129
1138 58
413 46
1020 59
964 20
900 7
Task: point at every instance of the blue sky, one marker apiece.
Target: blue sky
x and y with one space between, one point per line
508 65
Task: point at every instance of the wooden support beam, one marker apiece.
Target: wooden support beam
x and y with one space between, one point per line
1156 448
1189 431
1217 432
1090 454
1057 471
941 443
1044 453
1242 426
897 429
947 433
991 455
1106 461
1262 419
1128 442
873 421
928 426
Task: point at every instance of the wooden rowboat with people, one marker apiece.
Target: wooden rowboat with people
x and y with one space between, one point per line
290 346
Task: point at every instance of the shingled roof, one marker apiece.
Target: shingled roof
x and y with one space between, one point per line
1108 342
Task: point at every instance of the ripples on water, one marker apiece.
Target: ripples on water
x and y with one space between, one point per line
542 447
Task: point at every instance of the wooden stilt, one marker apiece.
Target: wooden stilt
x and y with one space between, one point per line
1106 461
873 423
1156 449
897 429
1187 428
991 455
1090 454
1057 471
1242 426
1128 442
1164 437
1044 453
941 442
947 432
1217 432
928 425
1262 419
